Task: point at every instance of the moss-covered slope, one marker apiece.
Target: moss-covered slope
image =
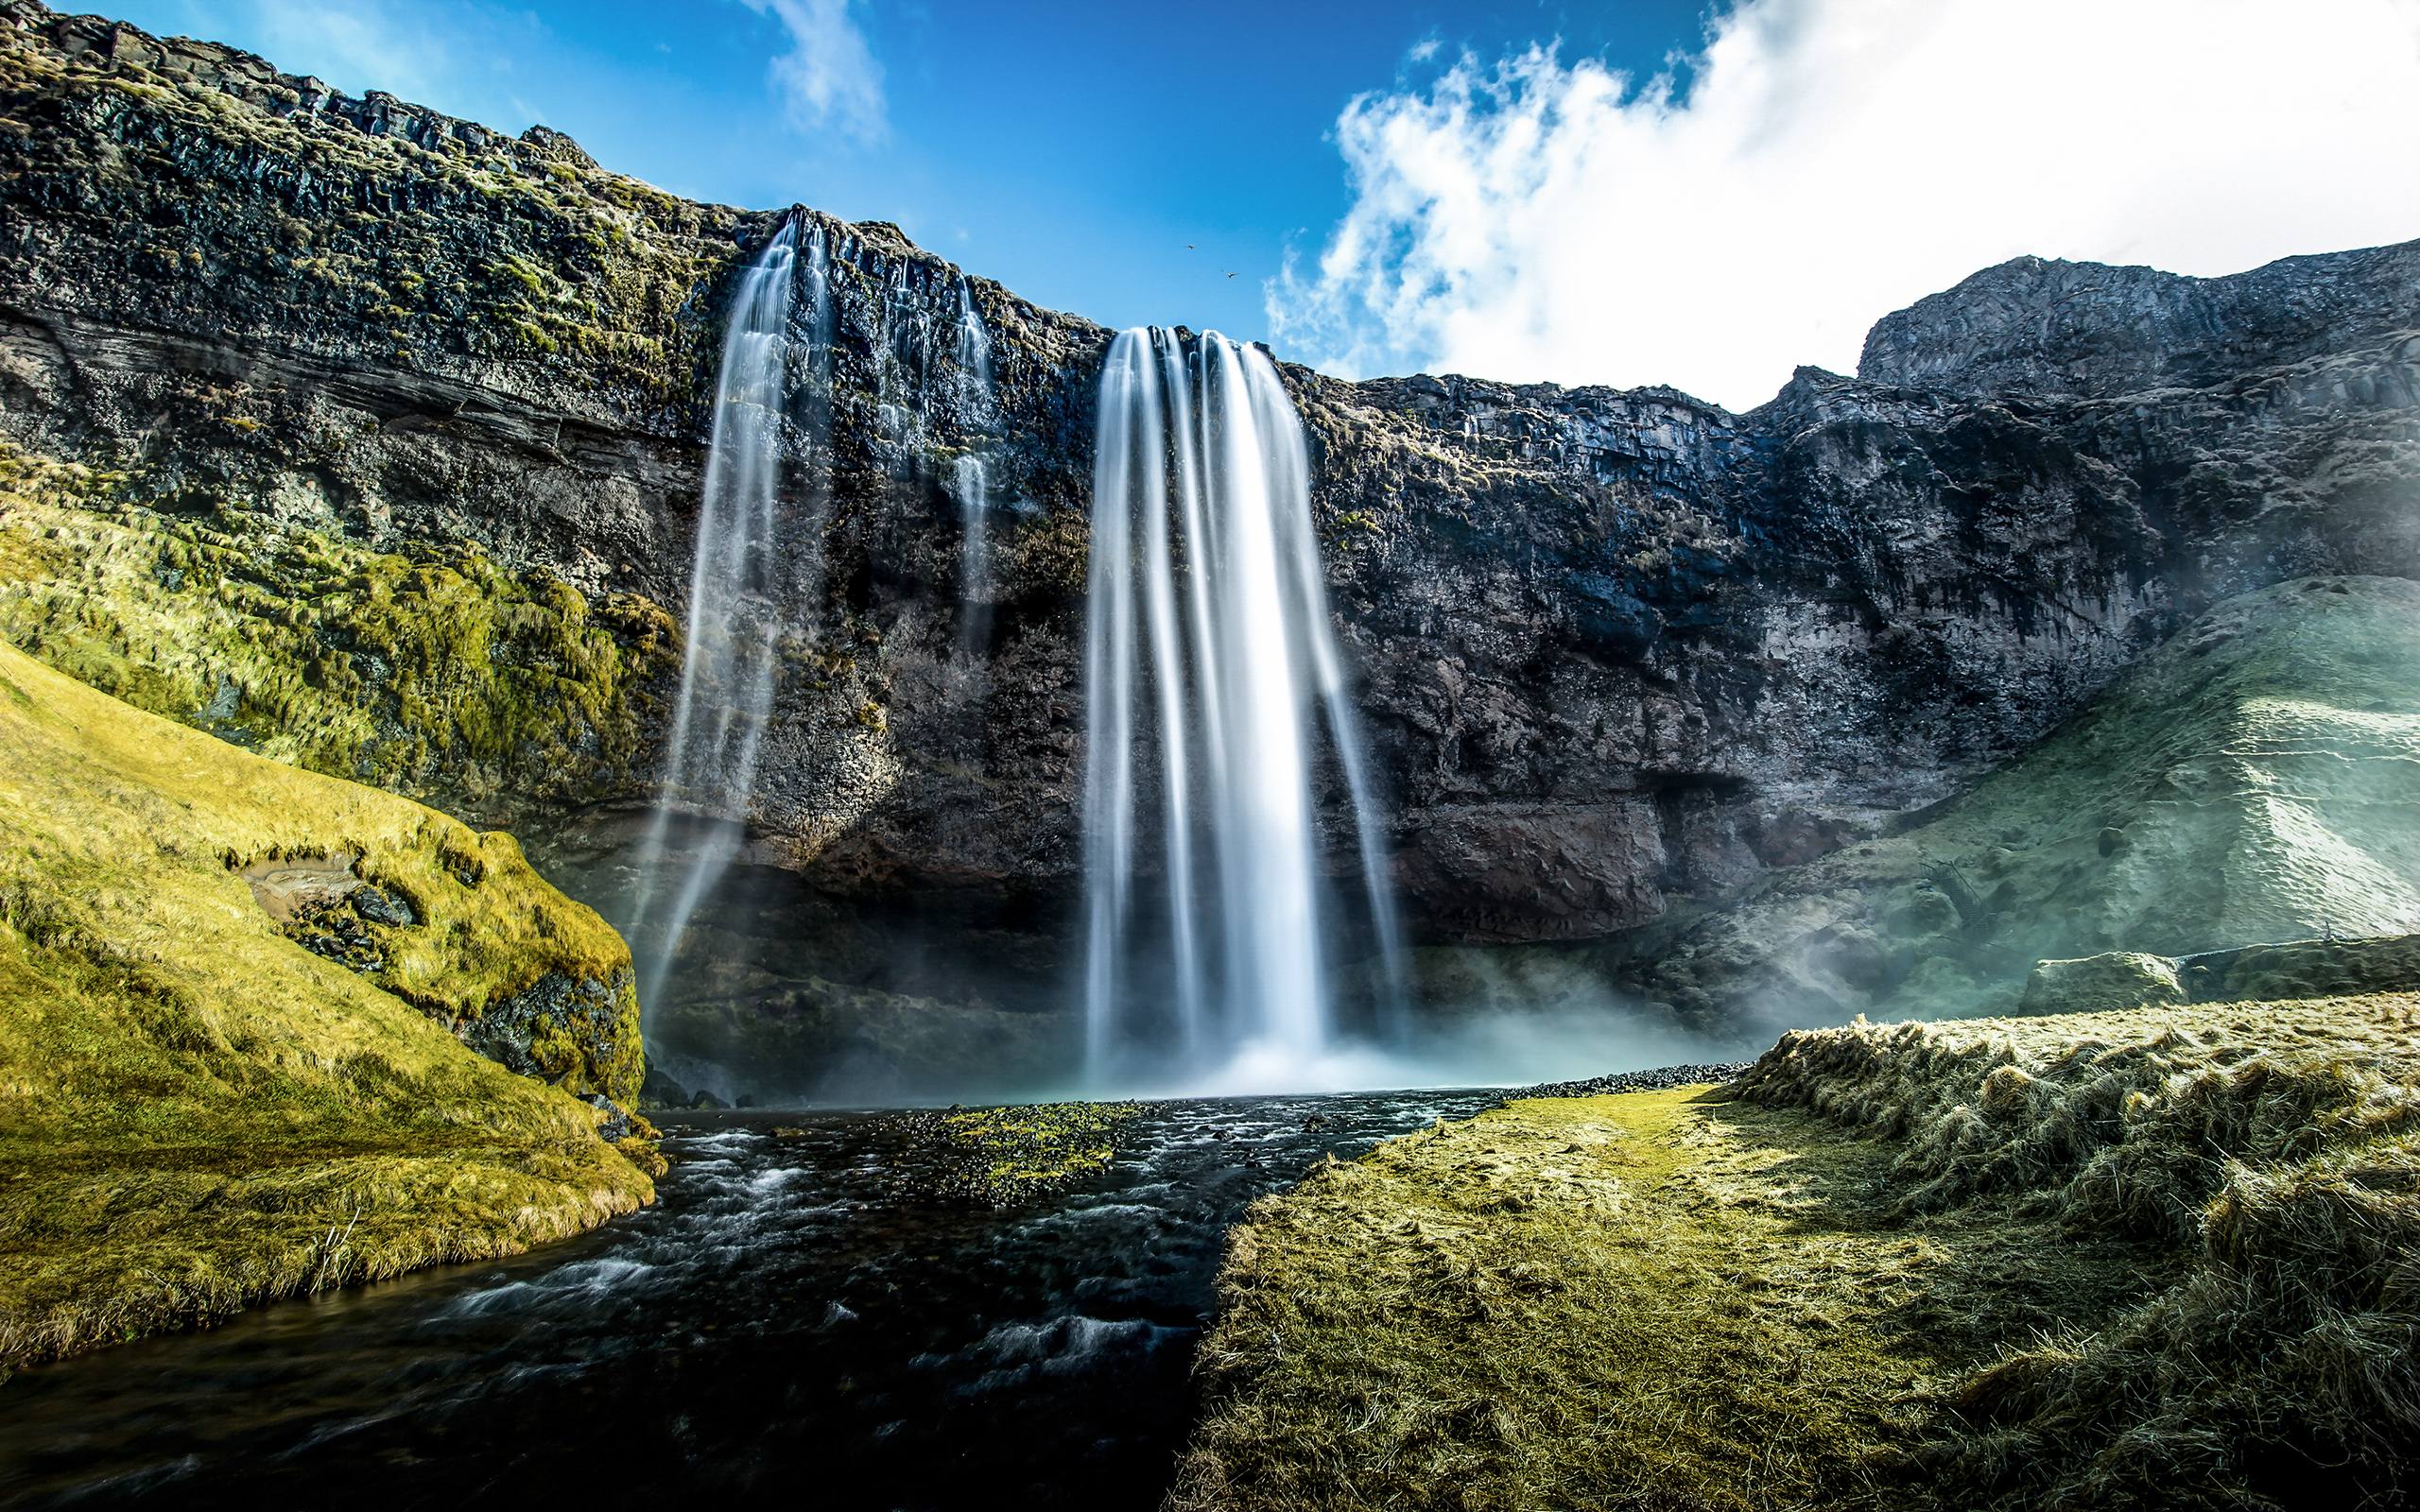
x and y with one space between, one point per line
2151 1259
2257 779
196 1112
439 675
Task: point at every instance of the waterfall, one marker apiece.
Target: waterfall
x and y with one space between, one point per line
971 481
971 476
973 353
736 614
1202 473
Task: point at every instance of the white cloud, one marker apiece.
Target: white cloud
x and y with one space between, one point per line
1834 159
828 80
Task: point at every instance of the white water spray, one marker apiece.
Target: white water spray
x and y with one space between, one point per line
735 613
1202 470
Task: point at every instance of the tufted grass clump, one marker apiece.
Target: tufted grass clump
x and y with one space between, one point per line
198 1114
2273 1148
998 1157
2168 1257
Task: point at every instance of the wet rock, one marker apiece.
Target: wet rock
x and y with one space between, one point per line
2099 984
575 1032
379 906
660 1092
331 928
617 1126
1655 1079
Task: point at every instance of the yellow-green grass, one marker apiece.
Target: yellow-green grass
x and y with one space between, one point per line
198 1114
2125 1259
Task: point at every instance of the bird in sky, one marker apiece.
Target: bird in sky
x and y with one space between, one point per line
1231 275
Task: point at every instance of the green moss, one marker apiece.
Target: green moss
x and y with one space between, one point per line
996 1157
196 1113
445 677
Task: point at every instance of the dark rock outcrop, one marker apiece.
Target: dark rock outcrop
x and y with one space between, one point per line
2042 328
1620 654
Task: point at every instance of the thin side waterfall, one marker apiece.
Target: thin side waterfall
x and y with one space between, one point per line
1224 681
971 477
971 482
735 615
973 353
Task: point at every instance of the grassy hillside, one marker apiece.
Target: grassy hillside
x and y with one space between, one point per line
197 1113
2158 1257
2257 779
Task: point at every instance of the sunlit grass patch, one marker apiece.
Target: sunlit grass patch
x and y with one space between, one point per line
195 1113
2158 1257
2274 1149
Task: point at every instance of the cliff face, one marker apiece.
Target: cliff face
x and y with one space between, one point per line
2084 330
1620 652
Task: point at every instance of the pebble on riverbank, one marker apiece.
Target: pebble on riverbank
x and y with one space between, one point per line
1654 1079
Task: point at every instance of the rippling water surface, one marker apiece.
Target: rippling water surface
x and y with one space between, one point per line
786 1324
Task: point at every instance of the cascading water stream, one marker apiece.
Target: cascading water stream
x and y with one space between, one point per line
1202 470
971 481
735 615
971 478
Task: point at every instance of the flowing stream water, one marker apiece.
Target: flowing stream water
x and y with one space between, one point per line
1208 648
789 1322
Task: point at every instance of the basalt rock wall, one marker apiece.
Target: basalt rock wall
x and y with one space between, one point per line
1620 653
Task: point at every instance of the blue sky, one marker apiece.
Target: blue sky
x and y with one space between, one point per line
1070 149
